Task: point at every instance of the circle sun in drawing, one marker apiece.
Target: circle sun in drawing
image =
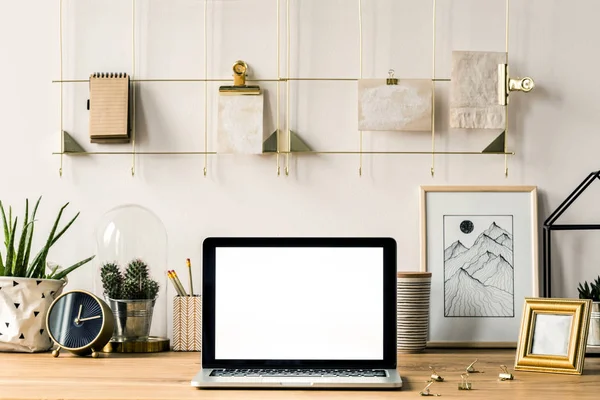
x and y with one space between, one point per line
466 226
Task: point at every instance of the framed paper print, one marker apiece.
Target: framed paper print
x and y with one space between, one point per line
480 244
553 335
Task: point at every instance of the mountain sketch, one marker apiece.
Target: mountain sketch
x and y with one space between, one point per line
479 280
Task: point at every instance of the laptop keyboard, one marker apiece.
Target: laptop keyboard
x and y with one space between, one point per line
328 373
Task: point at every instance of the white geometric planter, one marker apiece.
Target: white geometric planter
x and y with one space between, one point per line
24 303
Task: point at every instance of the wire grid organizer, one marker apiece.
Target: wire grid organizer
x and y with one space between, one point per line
279 154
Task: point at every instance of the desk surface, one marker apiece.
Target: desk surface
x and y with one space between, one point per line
168 375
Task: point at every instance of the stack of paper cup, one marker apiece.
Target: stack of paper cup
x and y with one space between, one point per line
413 311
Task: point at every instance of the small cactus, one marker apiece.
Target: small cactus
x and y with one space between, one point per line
137 270
112 280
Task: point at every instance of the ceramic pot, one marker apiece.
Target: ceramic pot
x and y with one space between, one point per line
24 303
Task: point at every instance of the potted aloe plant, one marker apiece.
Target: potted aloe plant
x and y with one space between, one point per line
27 285
592 291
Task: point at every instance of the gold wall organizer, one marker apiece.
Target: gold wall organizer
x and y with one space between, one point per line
295 144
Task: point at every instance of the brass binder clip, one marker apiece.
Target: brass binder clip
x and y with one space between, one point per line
471 370
506 84
505 375
391 80
435 376
426 392
240 69
464 384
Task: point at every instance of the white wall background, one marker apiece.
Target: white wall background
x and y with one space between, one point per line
553 130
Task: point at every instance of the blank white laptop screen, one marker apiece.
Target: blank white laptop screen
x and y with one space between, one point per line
299 303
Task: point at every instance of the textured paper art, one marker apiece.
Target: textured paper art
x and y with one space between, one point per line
405 106
478 266
474 90
241 124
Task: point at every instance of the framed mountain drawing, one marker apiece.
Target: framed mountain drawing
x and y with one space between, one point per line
480 244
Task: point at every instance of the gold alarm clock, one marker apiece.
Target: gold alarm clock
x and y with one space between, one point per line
79 322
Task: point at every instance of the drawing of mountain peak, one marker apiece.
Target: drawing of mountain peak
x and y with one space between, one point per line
494 231
455 249
498 273
505 240
480 262
466 296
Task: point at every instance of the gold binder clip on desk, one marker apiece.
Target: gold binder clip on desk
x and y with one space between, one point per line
240 69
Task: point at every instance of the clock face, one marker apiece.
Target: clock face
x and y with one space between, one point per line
75 320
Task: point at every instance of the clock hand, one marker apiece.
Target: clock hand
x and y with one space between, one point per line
90 318
80 309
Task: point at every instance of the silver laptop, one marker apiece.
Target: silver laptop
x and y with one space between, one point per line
299 313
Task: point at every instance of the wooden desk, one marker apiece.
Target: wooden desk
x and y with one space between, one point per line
168 375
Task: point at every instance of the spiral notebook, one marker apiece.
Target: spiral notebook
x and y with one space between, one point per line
109 107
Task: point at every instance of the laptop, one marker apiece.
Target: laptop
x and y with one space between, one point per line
299 313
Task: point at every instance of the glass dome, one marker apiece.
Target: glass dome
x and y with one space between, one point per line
128 233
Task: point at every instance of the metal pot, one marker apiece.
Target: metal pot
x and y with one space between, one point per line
594 335
133 318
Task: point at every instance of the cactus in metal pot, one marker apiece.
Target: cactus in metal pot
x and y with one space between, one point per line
112 280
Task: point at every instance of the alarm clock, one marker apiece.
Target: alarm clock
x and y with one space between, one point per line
79 322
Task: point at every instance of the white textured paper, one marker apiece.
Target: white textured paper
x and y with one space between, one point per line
402 107
241 124
474 90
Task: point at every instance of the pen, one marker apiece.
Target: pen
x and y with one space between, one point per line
178 282
189 266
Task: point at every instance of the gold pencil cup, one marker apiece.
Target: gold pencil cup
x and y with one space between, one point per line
187 323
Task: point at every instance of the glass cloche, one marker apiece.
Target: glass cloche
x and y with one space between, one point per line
131 260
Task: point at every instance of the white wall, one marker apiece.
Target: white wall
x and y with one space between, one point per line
553 129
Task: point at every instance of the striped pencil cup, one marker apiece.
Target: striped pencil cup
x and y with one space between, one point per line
187 323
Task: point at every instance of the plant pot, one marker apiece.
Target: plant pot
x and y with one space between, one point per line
133 318
594 335
24 303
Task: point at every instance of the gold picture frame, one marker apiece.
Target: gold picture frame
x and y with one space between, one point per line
509 209
560 346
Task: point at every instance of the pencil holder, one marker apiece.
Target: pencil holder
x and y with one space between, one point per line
187 323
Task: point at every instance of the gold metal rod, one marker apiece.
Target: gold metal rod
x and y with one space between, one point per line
404 152
506 106
287 88
360 74
158 153
133 88
205 169
278 106
433 95
60 46
281 79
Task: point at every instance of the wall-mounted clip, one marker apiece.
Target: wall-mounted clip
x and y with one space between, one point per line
435 376
240 69
390 79
506 84
505 375
426 392
471 369
464 383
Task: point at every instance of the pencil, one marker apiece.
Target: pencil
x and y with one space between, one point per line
178 282
170 275
189 266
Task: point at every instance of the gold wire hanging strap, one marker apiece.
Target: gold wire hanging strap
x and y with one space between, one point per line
278 111
287 88
60 47
506 106
433 94
205 169
360 75
133 88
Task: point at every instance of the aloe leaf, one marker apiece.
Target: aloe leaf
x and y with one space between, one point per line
63 230
5 223
30 236
41 262
10 251
1 266
64 272
20 267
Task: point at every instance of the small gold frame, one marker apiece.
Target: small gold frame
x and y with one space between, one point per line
572 362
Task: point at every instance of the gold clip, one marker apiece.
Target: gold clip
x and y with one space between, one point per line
435 376
505 375
240 69
391 80
425 391
471 370
464 384
506 84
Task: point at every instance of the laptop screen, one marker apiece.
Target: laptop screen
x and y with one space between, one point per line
312 302
299 303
